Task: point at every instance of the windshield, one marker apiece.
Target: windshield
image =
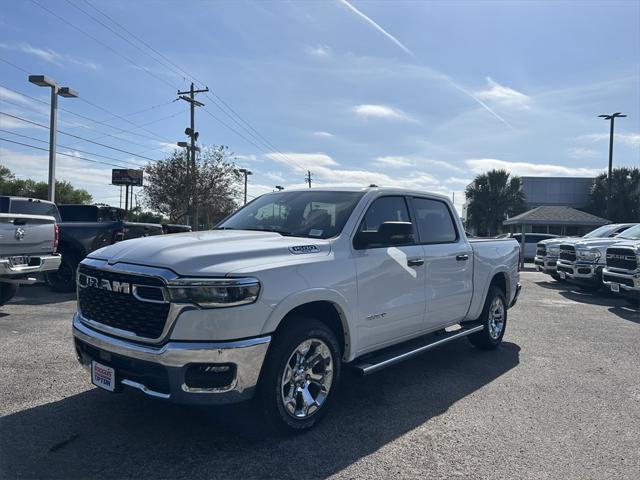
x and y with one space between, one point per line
632 233
601 232
314 214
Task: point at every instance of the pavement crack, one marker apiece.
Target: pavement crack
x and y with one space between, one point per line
57 446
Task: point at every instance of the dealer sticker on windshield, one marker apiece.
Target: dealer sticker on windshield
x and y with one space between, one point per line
103 376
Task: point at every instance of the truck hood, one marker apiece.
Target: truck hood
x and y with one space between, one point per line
594 242
628 243
557 241
213 252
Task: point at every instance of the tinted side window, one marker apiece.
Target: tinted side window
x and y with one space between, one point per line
385 209
435 224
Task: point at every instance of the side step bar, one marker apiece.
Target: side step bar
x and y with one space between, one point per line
390 356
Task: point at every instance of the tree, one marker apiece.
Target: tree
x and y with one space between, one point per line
65 191
136 214
492 198
213 187
625 195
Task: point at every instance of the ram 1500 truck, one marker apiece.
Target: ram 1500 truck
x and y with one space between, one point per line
622 273
85 228
287 292
582 261
28 240
548 251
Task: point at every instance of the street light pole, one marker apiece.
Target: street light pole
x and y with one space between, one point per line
246 173
44 81
611 119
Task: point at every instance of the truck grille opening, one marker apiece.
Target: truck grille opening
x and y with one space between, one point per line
622 258
568 253
120 309
541 251
612 278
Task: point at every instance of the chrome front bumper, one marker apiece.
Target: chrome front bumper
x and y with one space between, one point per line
246 357
545 264
45 263
609 277
580 271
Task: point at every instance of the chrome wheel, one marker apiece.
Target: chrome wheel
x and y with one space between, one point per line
307 378
496 318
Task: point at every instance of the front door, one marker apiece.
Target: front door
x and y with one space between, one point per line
391 280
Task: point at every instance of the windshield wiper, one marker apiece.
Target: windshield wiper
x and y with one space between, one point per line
284 233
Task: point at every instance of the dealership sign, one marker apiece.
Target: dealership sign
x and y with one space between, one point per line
126 176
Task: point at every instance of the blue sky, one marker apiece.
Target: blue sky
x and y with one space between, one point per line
416 94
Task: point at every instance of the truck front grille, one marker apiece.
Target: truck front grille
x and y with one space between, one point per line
118 307
541 250
622 258
568 253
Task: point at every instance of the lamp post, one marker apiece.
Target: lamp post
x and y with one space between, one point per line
611 119
279 188
67 92
246 173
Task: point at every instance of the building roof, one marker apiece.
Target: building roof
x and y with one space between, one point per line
555 215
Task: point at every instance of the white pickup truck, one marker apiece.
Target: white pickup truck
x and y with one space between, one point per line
287 292
28 241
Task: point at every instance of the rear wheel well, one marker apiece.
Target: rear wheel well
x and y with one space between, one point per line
325 312
500 280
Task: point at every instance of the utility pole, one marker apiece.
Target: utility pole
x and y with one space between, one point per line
246 173
612 119
191 132
308 178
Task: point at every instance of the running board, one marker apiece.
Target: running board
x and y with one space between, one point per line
390 356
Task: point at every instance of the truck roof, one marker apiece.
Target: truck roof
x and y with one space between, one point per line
393 190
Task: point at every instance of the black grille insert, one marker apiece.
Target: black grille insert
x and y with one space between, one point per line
568 253
122 310
541 250
623 258
614 279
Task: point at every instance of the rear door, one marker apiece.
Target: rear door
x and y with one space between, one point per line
391 279
448 260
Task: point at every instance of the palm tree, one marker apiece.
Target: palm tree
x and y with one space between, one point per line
625 195
492 198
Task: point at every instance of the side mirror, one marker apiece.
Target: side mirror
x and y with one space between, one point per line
389 234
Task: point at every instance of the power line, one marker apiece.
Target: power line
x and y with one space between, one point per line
69 148
79 137
14 65
60 153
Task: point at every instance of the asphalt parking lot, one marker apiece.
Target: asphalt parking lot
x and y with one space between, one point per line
559 399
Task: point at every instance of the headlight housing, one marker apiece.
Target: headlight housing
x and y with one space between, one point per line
590 255
553 251
214 292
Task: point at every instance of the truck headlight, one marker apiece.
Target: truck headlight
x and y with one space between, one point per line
590 255
214 292
553 251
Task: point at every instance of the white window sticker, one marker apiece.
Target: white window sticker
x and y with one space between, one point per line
314 232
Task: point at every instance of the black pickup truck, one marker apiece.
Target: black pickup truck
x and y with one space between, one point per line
85 228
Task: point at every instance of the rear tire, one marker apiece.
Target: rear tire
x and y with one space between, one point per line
7 291
300 376
494 320
64 279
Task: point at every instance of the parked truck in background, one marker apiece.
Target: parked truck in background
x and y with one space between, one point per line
285 293
28 241
85 228
621 274
582 261
548 251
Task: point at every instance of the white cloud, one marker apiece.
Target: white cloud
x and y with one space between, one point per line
463 181
529 169
319 51
394 161
275 176
629 139
50 56
578 152
246 158
503 95
303 161
380 111
323 134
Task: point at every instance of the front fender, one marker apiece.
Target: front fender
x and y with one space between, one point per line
303 297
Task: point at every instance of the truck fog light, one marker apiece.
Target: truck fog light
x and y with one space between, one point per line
210 375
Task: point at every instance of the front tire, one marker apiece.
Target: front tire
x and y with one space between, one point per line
300 376
7 291
494 320
64 279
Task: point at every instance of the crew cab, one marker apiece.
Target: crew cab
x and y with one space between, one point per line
548 251
582 261
86 228
622 271
287 292
28 241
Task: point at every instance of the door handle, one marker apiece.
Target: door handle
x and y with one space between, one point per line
462 258
415 262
